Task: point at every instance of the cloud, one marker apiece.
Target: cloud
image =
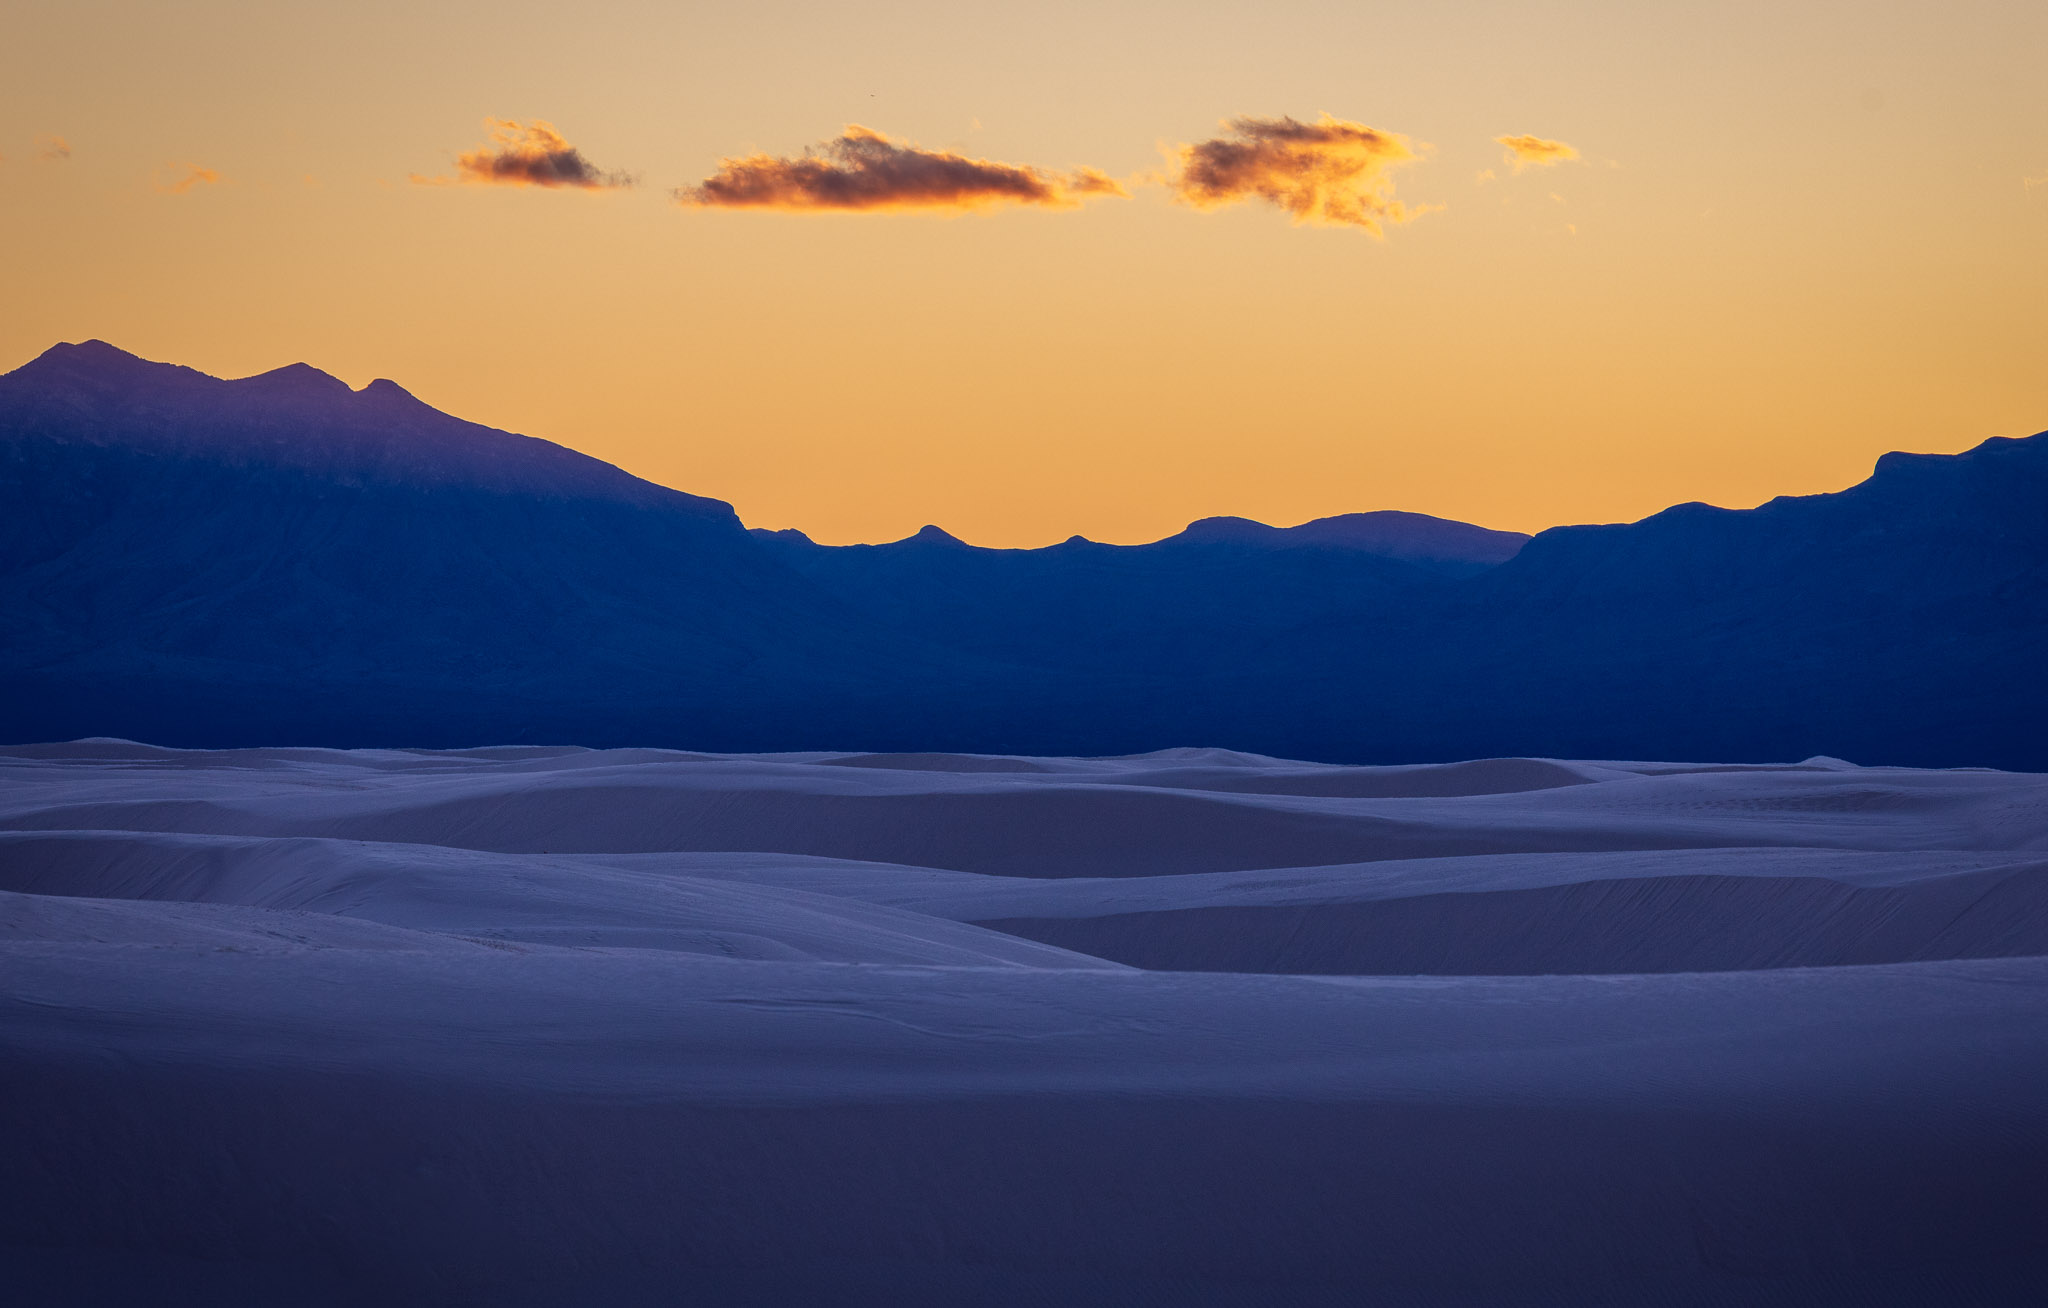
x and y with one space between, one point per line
2031 182
863 170
52 149
1330 172
193 176
528 154
1534 151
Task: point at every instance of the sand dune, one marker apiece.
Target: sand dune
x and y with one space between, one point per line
547 1026
467 894
1662 924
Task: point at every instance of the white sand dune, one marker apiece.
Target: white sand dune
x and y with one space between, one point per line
533 898
557 1026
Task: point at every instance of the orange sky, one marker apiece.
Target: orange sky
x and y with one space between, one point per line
1790 242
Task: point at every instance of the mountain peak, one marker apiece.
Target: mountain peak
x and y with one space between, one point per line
1391 533
297 379
390 400
91 360
87 351
1226 528
93 367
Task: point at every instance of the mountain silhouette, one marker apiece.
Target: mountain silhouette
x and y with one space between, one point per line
280 556
1454 548
282 559
1206 598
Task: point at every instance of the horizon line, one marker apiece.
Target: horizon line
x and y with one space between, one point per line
934 526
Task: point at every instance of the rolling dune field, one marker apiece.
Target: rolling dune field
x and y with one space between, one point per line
549 1026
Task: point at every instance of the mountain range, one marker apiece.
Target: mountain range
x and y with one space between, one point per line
283 559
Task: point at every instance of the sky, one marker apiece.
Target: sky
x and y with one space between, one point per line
1027 272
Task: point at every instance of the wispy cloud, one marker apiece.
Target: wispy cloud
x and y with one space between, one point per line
1329 172
52 149
2031 182
861 170
1534 152
192 177
528 154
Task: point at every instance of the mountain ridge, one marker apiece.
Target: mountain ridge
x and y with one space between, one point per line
102 361
1392 533
281 559
298 416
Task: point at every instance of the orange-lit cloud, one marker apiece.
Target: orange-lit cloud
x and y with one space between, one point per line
1329 172
1534 151
528 154
863 170
52 149
193 176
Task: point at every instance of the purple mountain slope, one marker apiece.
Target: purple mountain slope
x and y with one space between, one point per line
298 417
